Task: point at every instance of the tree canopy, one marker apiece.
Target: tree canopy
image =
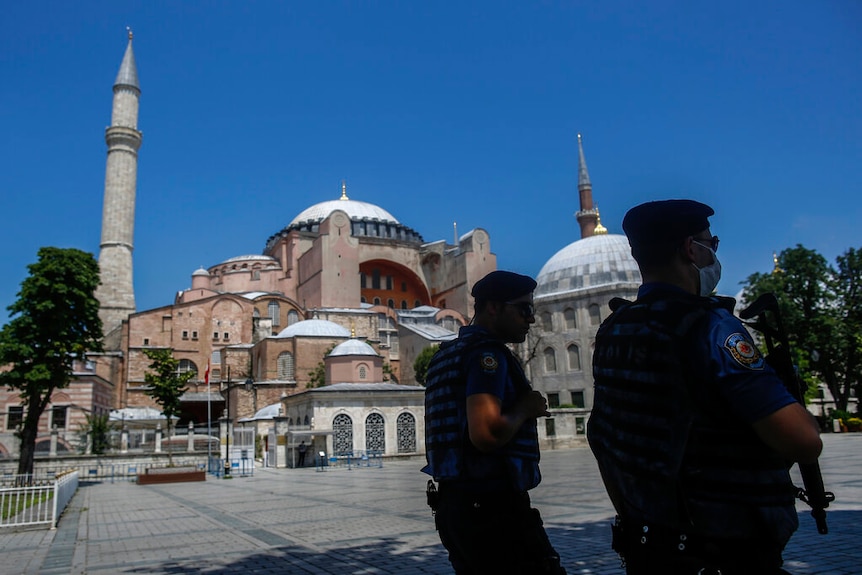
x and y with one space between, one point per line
54 321
166 384
821 309
420 364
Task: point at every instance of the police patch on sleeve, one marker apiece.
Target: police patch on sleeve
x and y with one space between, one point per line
743 351
489 362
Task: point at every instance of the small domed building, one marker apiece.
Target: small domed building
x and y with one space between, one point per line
572 295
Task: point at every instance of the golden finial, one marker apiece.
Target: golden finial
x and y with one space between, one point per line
775 267
600 229
352 330
344 190
129 30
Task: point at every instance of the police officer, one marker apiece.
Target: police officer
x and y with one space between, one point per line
481 439
693 431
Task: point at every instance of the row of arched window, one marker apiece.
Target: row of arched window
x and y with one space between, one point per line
573 359
548 319
390 303
375 433
274 313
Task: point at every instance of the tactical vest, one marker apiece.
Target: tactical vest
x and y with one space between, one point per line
448 449
668 452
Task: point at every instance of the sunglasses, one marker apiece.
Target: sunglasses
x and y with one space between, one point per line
707 242
526 308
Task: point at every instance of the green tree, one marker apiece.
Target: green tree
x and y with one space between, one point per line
98 427
166 384
420 364
54 322
821 312
317 376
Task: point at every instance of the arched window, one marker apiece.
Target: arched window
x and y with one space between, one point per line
404 304
377 301
547 322
571 320
550 360
286 366
273 309
342 427
574 355
305 420
363 282
391 303
186 365
363 373
375 433
595 314
406 425
292 317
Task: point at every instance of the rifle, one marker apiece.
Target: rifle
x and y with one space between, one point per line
779 357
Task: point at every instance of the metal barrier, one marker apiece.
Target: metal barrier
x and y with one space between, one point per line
242 467
348 460
27 501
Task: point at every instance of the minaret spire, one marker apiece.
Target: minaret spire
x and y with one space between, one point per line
587 216
116 293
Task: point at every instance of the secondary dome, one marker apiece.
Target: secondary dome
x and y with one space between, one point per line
314 328
588 263
352 347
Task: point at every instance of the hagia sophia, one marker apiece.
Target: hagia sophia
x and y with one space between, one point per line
314 339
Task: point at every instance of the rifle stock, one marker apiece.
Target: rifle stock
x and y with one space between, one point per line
779 357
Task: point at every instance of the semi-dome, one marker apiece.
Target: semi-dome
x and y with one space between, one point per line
588 263
352 347
354 209
314 328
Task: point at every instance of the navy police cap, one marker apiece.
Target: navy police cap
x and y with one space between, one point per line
665 222
503 286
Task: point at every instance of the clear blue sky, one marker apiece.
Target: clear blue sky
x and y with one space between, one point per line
440 112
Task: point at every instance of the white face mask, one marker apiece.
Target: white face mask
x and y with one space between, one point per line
709 275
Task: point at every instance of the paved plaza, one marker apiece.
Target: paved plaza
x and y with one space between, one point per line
364 521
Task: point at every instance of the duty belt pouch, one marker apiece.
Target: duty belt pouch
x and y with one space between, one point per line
433 496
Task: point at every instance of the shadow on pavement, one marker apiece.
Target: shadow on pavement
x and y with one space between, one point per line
584 548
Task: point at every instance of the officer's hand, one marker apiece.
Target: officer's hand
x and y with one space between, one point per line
535 404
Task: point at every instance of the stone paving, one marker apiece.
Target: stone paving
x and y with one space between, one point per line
364 521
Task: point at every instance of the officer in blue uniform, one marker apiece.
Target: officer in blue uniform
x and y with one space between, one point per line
693 431
481 439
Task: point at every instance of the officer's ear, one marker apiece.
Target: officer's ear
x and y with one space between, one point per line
686 249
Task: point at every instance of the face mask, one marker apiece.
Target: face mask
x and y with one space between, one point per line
709 275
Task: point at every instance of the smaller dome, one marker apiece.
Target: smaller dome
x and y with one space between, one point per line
201 272
590 262
314 328
249 258
352 347
267 412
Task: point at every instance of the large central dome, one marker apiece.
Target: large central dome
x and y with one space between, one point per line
354 209
588 263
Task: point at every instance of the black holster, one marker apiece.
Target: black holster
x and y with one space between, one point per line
432 496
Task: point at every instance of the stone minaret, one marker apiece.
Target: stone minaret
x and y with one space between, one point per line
116 294
587 216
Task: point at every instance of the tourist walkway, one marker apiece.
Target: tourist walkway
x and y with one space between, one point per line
364 521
